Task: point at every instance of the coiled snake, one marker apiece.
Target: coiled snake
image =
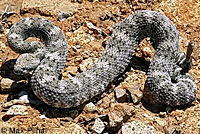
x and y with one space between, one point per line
164 76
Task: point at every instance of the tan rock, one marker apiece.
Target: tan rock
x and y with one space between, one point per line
13 102
6 84
119 113
86 64
17 110
2 47
81 36
147 51
120 95
72 69
90 107
48 7
159 120
98 126
136 94
137 127
95 29
66 75
74 129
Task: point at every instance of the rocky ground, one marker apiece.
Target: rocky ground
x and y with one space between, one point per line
87 26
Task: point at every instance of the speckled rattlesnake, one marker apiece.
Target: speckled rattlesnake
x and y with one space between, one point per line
163 78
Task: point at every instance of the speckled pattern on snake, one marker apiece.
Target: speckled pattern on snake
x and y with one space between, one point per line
163 78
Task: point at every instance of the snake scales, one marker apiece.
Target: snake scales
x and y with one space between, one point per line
164 77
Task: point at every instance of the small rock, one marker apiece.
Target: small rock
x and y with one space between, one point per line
63 16
74 129
67 119
72 69
79 1
120 95
48 7
118 114
141 1
159 120
86 64
135 99
6 84
80 36
106 16
147 50
17 110
105 41
74 48
13 102
137 127
196 107
136 94
43 116
160 133
7 31
66 75
23 97
175 131
98 126
95 29
2 47
148 53
101 109
90 107
78 46
162 114
120 1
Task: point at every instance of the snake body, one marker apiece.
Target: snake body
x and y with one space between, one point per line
163 78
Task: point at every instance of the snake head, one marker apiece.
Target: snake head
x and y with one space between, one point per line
26 63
